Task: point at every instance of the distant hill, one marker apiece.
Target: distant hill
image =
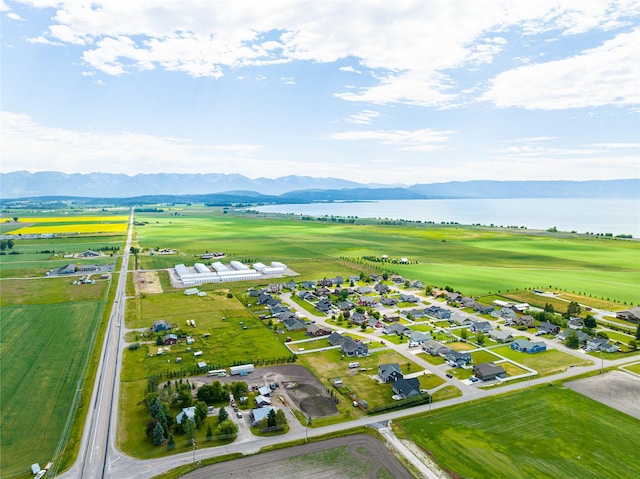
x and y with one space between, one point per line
221 188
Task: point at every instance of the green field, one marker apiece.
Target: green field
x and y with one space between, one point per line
473 260
546 432
42 355
547 362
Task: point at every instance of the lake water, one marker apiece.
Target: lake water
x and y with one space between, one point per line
595 215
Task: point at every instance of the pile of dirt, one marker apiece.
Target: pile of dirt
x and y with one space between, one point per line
616 389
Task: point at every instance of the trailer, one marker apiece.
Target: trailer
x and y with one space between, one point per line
241 370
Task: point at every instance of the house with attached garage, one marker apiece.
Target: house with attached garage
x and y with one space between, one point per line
480 327
409 298
354 348
582 336
396 328
482 309
454 297
417 338
357 318
438 312
525 320
435 348
501 336
382 288
406 388
530 347
294 324
601 344
489 371
317 331
547 328
389 373
365 289
458 359
368 301
389 301
461 319
504 313
324 305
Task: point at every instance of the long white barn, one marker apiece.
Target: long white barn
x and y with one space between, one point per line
238 271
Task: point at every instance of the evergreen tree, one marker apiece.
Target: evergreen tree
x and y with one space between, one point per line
281 419
189 428
171 442
271 418
222 415
158 434
209 432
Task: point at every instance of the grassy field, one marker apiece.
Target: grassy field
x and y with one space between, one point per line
473 260
42 355
634 368
48 290
541 433
545 363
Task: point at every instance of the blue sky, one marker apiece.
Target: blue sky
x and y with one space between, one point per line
398 92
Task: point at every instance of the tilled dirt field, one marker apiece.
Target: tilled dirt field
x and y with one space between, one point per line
297 386
617 389
356 457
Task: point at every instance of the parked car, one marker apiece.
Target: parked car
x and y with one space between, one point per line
449 375
473 379
239 414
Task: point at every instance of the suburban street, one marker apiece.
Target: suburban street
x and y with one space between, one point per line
100 458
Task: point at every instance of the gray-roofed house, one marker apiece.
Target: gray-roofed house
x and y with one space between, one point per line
257 415
409 298
262 401
365 289
418 337
489 371
389 301
438 312
354 348
324 305
482 309
530 347
582 336
632 314
601 344
396 328
316 330
501 336
369 301
357 318
480 327
461 319
294 324
67 269
160 325
435 348
382 288
336 339
547 328
187 412
406 388
458 359
389 373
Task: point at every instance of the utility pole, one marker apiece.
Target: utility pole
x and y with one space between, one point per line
193 443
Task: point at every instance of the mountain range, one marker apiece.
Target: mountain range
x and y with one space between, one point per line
214 187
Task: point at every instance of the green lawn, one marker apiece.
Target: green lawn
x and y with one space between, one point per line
545 363
634 368
43 352
546 432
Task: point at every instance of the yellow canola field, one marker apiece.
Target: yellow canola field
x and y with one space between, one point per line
79 228
75 219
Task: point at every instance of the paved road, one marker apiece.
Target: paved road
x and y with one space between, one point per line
97 450
100 458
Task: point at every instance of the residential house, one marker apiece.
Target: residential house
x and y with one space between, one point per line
390 318
547 328
438 312
274 288
601 344
354 348
530 347
322 291
417 338
368 301
389 301
336 339
389 373
576 323
416 283
489 371
170 339
89 254
254 293
365 289
293 323
458 359
67 269
324 305
262 401
397 279
338 280
409 298
325 282
461 319
382 288
357 318
308 284
290 285
454 297
482 309
316 331
582 336
406 388
480 327
264 298
346 305
188 413
520 307
257 415
307 296
396 328
501 336
435 348
468 302
264 391
160 325
374 323
504 313
416 313
526 320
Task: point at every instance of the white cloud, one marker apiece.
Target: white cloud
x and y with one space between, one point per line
409 46
288 80
606 75
43 148
364 117
15 16
349 69
417 140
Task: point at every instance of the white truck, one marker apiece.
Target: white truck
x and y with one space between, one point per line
241 370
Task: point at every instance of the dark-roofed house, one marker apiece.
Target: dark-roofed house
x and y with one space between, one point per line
396 328
406 388
576 323
264 298
290 285
389 301
482 309
417 313
354 348
308 284
307 296
454 297
389 373
365 289
461 319
438 312
357 318
382 288
458 359
90 254
582 336
489 371
315 330
67 269
324 305
294 324
369 301
525 320
547 328
336 339
601 344
160 325
346 305
526 346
